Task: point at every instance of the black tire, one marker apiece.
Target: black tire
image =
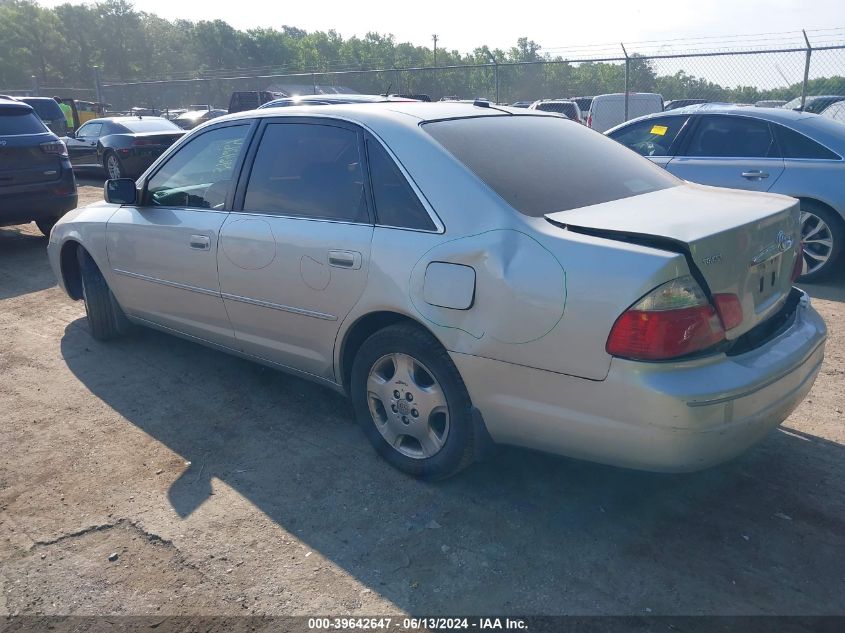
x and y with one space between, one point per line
836 226
45 225
458 449
105 317
121 170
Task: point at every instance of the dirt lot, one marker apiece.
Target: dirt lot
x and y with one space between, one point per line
227 488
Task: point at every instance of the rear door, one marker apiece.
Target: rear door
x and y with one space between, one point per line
294 256
726 150
163 252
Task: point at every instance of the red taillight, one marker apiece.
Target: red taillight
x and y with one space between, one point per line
144 141
589 120
57 148
673 320
798 266
729 309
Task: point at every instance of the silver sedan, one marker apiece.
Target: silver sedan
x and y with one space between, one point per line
759 149
436 263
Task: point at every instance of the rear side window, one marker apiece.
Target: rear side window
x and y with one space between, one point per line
199 174
795 145
309 171
653 137
47 109
396 203
732 137
567 109
541 164
19 121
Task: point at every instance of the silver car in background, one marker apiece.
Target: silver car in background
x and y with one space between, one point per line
435 263
759 149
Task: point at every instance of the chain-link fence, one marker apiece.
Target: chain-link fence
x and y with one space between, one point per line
774 68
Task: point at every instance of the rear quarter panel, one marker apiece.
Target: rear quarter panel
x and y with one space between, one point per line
816 179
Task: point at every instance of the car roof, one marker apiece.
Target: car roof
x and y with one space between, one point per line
409 113
14 104
771 114
123 119
336 97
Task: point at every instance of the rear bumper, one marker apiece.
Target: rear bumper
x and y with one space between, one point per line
43 201
668 417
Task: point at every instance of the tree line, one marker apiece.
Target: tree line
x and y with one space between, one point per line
60 46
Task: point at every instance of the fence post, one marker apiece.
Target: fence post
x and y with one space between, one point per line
806 70
495 71
35 89
314 82
98 85
627 69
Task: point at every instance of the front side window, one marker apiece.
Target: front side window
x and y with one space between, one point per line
90 130
543 164
732 137
795 145
200 173
309 171
396 203
653 137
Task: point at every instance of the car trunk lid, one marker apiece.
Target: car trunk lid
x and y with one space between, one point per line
23 162
735 242
165 139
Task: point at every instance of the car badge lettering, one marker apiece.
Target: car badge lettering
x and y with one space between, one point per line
782 243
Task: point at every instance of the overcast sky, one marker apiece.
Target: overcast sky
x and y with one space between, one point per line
463 24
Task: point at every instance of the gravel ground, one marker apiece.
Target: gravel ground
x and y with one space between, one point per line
154 476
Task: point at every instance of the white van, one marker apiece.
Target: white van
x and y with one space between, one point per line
607 111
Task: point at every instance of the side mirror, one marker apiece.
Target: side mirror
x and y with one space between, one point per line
120 191
71 133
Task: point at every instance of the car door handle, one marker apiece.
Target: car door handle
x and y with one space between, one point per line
756 174
345 259
200 242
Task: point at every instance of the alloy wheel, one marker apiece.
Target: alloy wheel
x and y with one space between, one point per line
113 166
408 406
818 242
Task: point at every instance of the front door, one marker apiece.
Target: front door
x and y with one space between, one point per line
730 151
163 252
83 148
293 260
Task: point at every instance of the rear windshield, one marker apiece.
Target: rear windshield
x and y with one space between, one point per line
564 108
542 164
20 121
47 109
151 125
